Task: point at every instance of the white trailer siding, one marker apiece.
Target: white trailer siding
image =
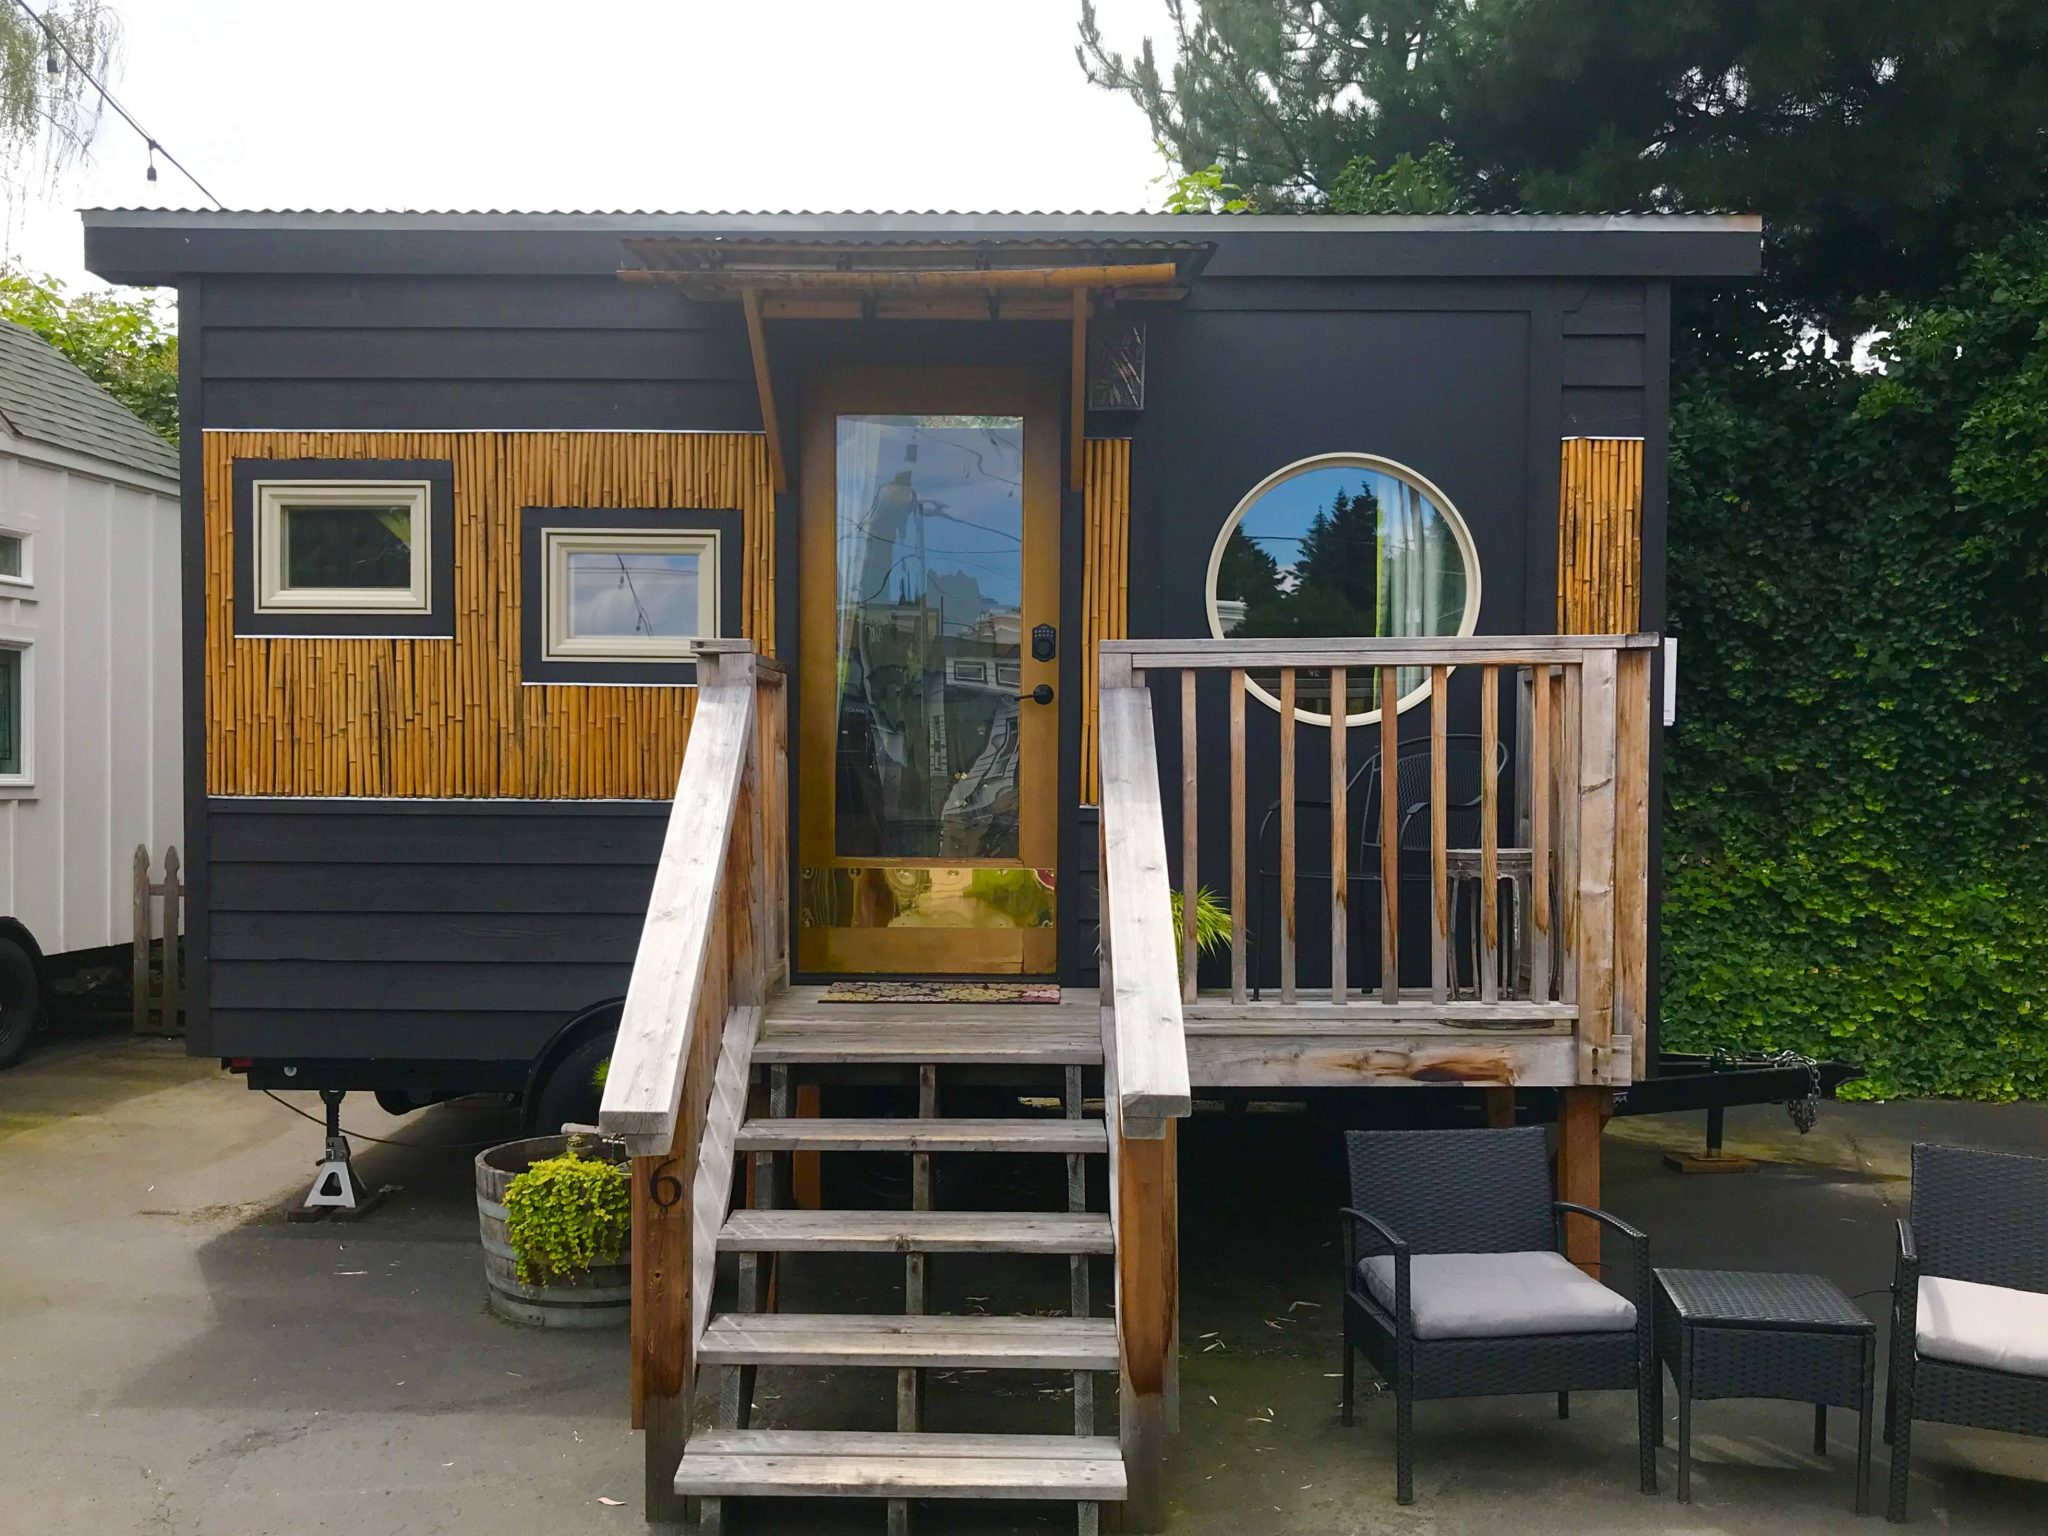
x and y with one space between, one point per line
97 619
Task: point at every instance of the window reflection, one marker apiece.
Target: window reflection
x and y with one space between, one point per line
929 544
1342 549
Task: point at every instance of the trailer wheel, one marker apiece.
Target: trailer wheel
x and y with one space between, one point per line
21 1001
569 1094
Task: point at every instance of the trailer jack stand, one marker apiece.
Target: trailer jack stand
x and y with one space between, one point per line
336 1191
1713 1160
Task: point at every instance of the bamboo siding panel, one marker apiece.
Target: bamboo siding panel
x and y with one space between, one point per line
1106 593
1600 536
451 718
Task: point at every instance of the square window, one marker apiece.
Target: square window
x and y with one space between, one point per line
614 595
13 557
13 713
343 546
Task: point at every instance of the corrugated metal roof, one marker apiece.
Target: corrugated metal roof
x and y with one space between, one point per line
962 220
915 213
44 398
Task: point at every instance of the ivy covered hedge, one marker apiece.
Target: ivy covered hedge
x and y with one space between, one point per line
1856 855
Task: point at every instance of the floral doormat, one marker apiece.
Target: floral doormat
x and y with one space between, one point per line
942 992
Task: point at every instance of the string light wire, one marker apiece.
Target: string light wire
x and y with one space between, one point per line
155 148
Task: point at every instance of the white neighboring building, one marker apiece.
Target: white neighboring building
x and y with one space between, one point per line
90 728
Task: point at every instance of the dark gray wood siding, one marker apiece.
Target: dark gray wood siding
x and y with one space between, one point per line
425 353
421 930
1604 361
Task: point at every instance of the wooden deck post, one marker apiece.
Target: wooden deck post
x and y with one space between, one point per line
1583 1115
662 1341
1148 1310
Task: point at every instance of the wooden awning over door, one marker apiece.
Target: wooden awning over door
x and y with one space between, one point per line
914 280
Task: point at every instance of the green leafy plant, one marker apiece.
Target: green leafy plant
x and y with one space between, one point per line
1198 191
1212 921
1409 184
1858 785
565 1214
125 345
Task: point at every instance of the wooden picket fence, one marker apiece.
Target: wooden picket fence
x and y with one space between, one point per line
158 1001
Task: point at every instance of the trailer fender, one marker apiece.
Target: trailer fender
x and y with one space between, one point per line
598 1022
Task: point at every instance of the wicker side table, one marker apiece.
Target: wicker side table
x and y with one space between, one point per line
1726 1333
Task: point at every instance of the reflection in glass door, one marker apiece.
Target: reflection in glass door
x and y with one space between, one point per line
936 778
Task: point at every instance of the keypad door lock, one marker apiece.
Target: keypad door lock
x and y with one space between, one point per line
1045 642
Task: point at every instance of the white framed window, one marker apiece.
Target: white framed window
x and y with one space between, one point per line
17 768
14 559
343 546
626 595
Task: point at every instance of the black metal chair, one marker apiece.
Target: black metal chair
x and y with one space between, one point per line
1462 758
1454 1285
1969 1301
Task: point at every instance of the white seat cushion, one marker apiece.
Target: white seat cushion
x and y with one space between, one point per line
1984 1325
1499 1295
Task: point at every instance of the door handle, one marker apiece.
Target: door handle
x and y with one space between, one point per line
1042 694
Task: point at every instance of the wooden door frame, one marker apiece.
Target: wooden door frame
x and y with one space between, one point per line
1038 395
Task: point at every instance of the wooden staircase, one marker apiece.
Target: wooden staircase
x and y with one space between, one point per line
801 1035
710 1010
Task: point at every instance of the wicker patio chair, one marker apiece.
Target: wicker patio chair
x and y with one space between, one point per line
1454 1285
1970 1301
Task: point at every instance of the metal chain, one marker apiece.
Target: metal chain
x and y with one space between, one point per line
1805 1112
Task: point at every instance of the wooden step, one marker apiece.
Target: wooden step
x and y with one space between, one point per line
923 1136
915 1232
965 1342
810 1042
769 1463
801 1027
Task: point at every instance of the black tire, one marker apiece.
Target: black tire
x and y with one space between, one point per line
21 1002
569 1093
396 1101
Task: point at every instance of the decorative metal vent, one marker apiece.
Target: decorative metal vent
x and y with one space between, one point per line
1116 365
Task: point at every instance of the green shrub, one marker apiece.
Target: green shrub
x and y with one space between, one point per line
565 1214
1212 921
1858 785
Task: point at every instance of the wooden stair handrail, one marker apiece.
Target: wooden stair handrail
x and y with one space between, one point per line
1140 950
643 1091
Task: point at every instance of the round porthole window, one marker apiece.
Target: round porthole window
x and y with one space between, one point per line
1344 544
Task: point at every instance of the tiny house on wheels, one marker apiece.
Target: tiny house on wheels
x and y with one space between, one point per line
90 723
804 649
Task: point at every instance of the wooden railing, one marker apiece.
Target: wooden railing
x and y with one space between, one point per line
1145 1086
1582 769
715 942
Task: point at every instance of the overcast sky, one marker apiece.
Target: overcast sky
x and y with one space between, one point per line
669 104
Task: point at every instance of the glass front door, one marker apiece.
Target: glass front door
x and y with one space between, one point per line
927 792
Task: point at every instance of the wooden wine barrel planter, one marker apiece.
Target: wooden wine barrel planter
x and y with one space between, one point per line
601 1299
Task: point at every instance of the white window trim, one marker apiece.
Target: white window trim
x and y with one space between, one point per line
26 778
1468 621
27 578
272 497
558 544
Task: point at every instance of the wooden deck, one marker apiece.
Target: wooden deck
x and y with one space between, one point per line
708 1012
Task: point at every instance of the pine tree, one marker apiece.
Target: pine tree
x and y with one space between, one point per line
1880 142
1337 579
